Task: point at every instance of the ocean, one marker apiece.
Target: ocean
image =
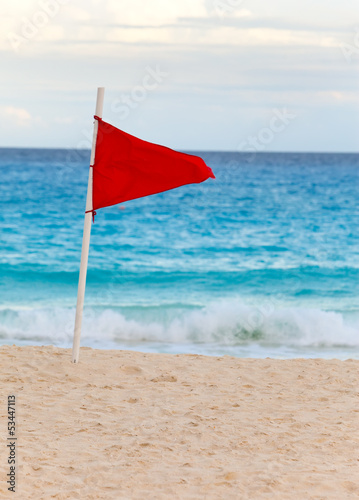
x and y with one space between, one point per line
261 262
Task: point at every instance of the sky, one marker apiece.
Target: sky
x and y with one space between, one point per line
231 75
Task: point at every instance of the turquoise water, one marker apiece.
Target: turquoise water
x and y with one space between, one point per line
263 261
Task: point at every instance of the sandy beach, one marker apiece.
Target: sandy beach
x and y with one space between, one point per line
129 425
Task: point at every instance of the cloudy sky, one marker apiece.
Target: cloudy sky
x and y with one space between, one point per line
190 74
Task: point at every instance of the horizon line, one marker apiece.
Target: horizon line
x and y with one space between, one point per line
84 150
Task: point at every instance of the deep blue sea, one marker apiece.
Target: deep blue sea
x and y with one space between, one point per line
263 261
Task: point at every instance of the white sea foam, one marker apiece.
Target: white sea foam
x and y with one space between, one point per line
224 323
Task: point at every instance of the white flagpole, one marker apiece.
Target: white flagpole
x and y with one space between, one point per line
86 236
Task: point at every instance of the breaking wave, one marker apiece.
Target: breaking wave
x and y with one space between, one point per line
226 323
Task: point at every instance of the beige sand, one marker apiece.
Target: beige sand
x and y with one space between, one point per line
127 425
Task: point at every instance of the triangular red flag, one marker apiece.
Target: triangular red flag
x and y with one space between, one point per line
126 167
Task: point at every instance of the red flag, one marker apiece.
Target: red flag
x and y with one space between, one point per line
126 167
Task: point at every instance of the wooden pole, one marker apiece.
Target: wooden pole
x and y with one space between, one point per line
86 236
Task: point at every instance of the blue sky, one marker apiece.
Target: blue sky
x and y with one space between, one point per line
191 74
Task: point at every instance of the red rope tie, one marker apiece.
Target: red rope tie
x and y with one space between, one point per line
98 118
93 214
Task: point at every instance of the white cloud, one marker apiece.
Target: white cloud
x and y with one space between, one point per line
242 64
65 120
16 116
76 13
337 97
185 23
154 12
